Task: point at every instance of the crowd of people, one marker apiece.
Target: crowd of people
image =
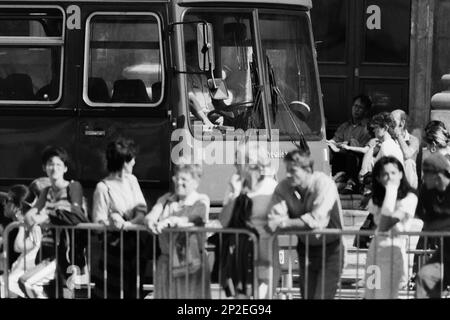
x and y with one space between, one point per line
379 150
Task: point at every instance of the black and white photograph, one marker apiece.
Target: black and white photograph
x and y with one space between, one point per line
232 158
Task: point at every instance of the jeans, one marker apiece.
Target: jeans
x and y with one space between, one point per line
330 271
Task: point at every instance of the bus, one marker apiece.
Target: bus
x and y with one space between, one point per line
80 73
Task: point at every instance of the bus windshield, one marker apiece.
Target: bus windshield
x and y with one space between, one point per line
287 57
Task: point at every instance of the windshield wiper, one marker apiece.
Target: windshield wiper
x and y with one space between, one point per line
275 94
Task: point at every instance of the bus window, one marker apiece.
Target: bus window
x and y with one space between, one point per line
235 60
31 42
288 56
123 64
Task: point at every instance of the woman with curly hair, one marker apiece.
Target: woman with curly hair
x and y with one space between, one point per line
436 138
382 125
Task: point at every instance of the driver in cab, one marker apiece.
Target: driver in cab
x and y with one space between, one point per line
200 101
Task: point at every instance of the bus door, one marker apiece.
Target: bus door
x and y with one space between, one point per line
33 110
263 80
124 90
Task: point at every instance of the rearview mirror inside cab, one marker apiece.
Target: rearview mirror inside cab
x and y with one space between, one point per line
205 46
218 89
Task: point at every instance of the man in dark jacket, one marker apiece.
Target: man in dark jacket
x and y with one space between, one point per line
434 210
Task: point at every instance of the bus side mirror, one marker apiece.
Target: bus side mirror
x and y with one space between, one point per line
205 46
300 109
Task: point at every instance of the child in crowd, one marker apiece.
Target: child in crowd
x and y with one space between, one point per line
27 243
23 242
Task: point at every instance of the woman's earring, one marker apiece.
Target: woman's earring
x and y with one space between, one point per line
433 148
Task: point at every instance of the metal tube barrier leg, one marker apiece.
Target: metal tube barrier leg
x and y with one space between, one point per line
392 290
186 282
89 262
290 274
138 265
255 268
57 242
408 246
171 265
236 241
154 239
203 264
105 265
322 295
357 265
121 265
305 294
219 258
25 251
271 270
441 265
340 267
78 272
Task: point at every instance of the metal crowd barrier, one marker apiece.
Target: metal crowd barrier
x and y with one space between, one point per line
96 253
351 281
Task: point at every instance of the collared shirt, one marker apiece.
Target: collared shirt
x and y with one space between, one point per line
412 142
349 130
319 207
198 90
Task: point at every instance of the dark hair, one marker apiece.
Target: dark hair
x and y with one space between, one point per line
383 120
118 152
365 100
18 194
52 151
436 132
300 158
378 189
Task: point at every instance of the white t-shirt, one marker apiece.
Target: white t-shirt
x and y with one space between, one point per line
404 211
199 91
390 148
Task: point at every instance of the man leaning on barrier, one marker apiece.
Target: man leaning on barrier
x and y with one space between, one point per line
434 210
308 200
